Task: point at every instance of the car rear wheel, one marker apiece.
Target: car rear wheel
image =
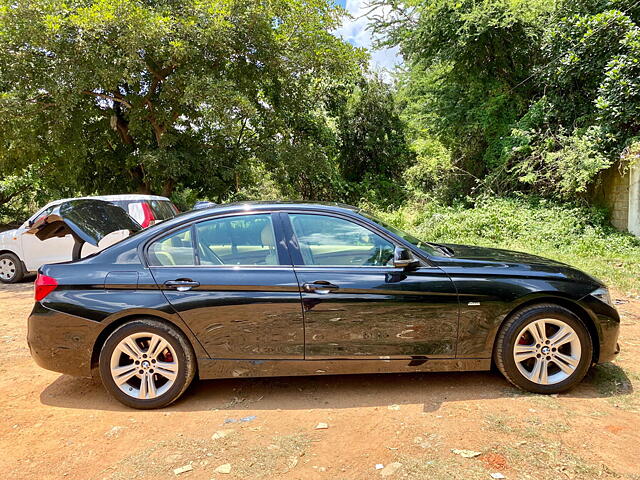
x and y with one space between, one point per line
11 270
146 364
544 349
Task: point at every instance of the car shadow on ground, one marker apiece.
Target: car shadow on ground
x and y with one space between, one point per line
432 390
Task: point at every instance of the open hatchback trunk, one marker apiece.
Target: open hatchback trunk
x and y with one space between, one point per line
86 220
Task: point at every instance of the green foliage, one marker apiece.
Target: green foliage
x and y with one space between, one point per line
573 234
531 96
372 134
154 96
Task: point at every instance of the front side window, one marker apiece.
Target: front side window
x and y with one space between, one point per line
242 240
326 240
174 250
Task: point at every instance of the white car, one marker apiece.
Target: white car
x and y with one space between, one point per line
22 253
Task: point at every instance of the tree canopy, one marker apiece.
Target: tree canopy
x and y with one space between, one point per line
115 95
523 95
237 99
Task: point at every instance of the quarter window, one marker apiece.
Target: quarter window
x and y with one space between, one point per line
174 250
242 240
328 240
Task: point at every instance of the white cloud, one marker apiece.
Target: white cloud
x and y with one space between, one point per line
355 31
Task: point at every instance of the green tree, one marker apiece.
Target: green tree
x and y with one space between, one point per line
116 95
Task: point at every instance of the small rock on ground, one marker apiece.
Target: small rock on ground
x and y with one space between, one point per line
221 434
225 468
114 432
390 469
466 453
184 469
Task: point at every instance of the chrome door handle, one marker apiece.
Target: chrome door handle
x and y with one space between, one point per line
319 287
181 285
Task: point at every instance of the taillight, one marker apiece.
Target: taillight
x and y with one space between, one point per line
44 285
148 215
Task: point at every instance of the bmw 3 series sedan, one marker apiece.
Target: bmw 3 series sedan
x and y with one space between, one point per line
272 289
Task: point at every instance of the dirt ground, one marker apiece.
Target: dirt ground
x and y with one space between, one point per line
54 426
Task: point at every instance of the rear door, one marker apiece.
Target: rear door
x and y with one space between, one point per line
233 283
357 304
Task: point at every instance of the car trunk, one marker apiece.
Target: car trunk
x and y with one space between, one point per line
87 220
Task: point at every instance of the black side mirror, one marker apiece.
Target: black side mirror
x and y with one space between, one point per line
403 258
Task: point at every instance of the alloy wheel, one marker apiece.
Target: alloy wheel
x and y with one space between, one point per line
547 351
144 365
7 269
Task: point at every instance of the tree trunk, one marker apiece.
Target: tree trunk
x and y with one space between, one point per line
167 187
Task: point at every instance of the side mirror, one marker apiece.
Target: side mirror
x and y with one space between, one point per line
403 258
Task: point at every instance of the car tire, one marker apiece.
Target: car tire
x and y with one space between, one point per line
11 269
147 364
544 349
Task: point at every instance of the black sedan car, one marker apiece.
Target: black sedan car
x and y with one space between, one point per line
268 289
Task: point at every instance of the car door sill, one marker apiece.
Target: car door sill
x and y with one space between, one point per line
233 368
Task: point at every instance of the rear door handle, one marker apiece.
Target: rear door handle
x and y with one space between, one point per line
181 284
319 286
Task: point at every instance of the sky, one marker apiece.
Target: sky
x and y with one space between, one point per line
355 32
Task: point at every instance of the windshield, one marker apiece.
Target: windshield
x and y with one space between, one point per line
424 246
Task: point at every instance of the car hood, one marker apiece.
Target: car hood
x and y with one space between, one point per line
87 220
472 256
9 233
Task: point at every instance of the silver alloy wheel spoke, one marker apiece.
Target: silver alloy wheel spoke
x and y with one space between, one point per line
145 374
147 387
566 363
564 335
167 370
130 347
124 374
524 352
549 365
157 345
537 330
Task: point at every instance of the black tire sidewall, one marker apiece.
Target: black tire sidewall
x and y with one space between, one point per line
527 317
19 275
170 335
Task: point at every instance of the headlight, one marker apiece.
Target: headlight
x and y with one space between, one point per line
602 294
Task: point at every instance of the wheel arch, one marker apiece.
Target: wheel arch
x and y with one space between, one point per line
570 305
115 324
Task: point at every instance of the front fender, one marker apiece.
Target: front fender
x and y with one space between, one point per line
480 321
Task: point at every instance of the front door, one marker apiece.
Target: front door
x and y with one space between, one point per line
233 285
357 305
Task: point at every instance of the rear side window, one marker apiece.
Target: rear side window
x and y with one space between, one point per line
162 210
174 250
242 240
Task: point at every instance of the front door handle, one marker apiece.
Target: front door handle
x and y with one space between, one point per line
319 286
181 284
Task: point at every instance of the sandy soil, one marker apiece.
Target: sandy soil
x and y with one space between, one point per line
56 426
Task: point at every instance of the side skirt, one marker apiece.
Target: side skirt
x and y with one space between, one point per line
226 368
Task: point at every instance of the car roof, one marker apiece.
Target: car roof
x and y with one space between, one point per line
277 205
257 206
109 198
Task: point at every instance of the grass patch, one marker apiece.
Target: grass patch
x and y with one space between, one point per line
277 458
497 423
551 459
579 236
425 468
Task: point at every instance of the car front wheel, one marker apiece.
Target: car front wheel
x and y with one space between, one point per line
544 349
11 270
146 364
